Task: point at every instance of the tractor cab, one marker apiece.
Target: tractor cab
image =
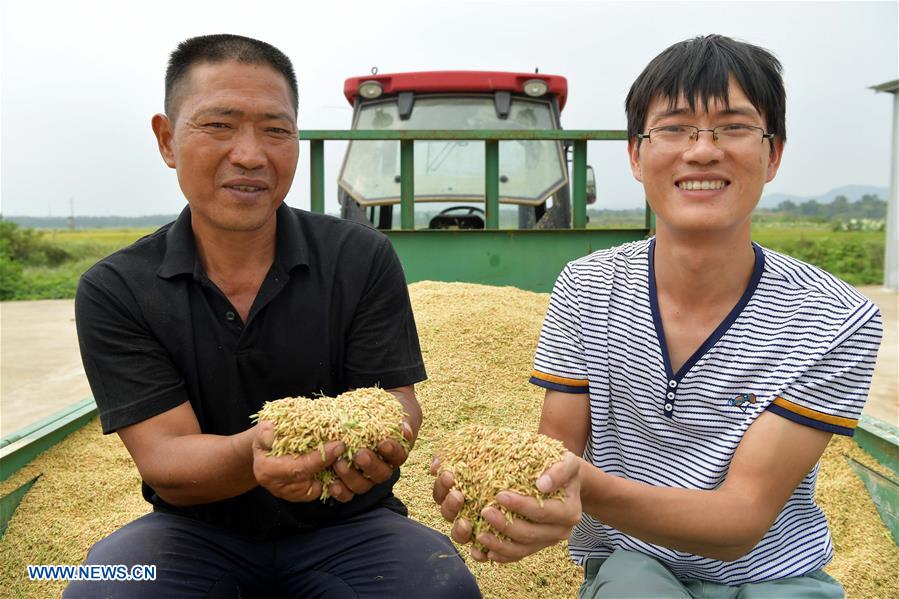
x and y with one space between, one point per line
449 175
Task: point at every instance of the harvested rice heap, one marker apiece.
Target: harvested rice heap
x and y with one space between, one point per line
485 460
478 344
361 419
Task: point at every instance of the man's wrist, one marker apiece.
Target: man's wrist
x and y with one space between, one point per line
242 444
595 484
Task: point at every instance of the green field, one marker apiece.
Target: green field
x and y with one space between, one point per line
49 262
854 256
39 278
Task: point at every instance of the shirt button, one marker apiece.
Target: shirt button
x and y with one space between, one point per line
670 395
668 407
672 384
229 315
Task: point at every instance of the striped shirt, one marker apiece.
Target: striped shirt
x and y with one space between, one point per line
799 343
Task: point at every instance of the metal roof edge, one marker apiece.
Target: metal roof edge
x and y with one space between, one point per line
889 86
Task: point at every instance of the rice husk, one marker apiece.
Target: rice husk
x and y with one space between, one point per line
361 419
485 460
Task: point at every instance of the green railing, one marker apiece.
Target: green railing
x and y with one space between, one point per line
491 139
525 258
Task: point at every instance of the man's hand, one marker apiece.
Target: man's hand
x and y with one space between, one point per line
290 477
450 501
369 468
533 527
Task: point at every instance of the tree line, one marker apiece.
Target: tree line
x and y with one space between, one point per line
869 206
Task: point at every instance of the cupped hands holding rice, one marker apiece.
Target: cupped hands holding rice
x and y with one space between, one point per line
361 419
485 460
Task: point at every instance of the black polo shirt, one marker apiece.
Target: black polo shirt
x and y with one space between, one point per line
332 314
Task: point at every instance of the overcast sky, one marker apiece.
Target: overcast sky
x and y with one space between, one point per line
80 81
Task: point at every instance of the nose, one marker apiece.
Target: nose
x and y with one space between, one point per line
704 149
248 150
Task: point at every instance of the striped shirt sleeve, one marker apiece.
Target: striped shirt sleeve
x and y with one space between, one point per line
559 363
831 393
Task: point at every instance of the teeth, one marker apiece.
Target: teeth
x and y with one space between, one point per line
701 185
245 188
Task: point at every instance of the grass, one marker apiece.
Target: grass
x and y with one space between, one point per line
86 247
94 243
854 256
780 235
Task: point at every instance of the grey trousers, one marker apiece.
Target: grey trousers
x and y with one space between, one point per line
633 575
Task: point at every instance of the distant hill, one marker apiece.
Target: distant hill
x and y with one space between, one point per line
852 193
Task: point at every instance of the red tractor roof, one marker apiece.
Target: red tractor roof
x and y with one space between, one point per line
430 82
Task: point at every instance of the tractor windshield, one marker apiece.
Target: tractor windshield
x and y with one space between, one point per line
530 171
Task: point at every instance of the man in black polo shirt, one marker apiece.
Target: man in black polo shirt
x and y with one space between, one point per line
243 300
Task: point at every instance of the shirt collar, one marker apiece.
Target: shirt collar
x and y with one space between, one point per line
292 248
180 251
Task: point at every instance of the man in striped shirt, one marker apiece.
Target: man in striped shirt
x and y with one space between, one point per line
699 375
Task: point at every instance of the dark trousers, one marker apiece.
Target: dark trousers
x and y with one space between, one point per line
379 554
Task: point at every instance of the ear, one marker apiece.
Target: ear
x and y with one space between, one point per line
164 131
774 156
633 152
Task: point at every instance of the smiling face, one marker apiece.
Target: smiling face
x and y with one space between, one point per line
233 144
703 188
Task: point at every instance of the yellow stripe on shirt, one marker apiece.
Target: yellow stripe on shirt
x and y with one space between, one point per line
560 379
814 414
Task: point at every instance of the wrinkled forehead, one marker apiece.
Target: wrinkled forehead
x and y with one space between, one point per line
217 84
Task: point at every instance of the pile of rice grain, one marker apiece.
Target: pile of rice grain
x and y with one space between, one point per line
485 460
361 419
478 343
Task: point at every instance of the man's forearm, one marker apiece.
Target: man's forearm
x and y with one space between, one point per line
406 396
219 467
716 524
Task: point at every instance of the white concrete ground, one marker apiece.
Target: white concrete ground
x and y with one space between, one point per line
41 372
40 365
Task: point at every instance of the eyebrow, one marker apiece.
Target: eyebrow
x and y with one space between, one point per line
224 111
731 111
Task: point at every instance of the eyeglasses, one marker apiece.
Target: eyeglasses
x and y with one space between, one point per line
725 136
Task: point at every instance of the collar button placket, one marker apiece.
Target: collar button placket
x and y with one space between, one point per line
670 396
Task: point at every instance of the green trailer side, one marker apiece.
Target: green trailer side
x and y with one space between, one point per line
527 259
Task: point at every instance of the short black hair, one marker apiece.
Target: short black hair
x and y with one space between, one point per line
222 47
700 69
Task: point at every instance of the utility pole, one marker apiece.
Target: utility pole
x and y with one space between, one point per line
71 218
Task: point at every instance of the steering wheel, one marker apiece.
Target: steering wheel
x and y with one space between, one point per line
467 210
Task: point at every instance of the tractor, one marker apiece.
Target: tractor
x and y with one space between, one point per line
534 174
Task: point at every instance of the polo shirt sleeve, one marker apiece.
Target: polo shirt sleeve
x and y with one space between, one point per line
130 373
830 393
559 362
382 346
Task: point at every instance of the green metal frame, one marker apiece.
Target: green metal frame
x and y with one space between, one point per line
528 259
883 492
881 440
491 139
9 503
21 447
